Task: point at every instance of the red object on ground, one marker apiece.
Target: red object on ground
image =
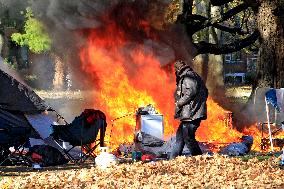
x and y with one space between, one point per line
147 157
36 157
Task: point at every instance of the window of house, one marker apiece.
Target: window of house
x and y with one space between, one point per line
251 64
255 54
228 58
233 58
236 56
254 60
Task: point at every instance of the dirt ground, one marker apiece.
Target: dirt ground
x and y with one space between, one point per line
183 172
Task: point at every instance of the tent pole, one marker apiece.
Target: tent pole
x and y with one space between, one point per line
269 129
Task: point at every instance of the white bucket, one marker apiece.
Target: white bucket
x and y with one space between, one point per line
105 159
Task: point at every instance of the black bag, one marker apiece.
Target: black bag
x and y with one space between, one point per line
50 155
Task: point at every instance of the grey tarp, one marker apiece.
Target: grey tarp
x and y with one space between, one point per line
22 119
15 96
14 129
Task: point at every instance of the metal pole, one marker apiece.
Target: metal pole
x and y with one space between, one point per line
269 129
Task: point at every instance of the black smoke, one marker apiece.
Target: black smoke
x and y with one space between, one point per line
68 22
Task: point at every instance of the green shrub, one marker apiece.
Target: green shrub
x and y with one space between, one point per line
34 35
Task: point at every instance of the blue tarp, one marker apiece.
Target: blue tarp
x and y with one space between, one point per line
271 98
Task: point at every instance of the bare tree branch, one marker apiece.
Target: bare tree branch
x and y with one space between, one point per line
230 30
250 3
230 13
205 47
196 23
187 7
220 2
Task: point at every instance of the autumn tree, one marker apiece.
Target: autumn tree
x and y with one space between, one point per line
266 15
270 66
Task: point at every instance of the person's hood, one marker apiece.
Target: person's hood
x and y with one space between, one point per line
184 71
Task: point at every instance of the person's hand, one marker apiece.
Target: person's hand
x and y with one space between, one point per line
178 93
176 107
176 111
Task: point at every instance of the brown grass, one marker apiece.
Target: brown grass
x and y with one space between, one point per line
184 172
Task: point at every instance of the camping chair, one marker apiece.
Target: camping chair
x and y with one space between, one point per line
269 110
82 132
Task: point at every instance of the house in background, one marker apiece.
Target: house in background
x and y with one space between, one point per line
238 66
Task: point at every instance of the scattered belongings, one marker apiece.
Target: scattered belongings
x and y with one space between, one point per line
149 130
45 155
105 159
36 166
25 120
136 155
281 162
238 148
269 113
148 157
125 150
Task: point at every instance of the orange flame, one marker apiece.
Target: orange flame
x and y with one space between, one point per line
123 85
217 128
129 76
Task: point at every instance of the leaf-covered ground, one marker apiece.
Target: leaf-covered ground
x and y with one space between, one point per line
183 172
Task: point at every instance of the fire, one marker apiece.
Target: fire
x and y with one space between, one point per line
128 78
126 75
217 128
254 131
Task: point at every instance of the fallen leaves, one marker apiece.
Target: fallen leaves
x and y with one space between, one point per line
183 172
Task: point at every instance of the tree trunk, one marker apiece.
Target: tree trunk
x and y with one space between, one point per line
280 45
270 63
200 63
58 80
270 66
215 81
210 66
